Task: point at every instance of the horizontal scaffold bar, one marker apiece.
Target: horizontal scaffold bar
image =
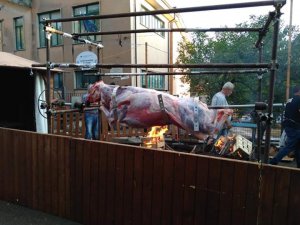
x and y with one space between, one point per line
184 73
237 29
173 10
201 65
240 106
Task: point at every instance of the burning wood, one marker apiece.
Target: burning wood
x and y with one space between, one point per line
155 137
235 146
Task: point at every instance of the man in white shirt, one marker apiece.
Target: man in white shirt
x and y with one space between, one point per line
219 99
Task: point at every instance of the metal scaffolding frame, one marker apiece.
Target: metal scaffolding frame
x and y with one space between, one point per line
272 66
173 10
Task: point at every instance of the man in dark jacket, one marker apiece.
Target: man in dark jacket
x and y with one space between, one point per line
291 125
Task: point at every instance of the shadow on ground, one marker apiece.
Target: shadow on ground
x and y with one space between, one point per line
11 214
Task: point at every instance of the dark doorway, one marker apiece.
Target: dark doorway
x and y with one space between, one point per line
17 94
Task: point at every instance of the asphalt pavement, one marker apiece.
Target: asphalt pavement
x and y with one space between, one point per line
11 214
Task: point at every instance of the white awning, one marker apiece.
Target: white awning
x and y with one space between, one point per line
14 61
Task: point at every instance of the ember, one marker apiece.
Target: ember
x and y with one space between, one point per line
155 137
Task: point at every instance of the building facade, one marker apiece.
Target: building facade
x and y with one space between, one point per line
22 33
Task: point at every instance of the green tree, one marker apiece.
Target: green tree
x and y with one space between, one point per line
239 47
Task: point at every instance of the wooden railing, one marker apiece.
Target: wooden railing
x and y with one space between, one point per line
71 123
94 182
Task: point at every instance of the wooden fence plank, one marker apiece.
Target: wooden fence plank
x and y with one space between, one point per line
178 190
71 121
28 168
54 175
72 179
213 203
16 164
293 217
157 195
280 205
82 133
267 194
147 186
138 186
22 152
8 172
168 181
49 141
77 124
61 177
58 123
119 191
65 124
189 189
128 184
68 162
110 186
94 183
35 171
226 192
252 199
40 187
79 180
239 193
201 190
86 180
103 173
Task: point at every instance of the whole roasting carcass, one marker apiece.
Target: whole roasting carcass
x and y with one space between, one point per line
139 108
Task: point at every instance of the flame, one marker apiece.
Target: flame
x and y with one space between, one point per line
157 131
220 143
155 135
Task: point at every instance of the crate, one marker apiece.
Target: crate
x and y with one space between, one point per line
242 147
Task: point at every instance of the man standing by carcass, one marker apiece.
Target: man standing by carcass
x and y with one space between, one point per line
219 99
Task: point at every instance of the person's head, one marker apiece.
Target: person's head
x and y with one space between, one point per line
227 88
296 90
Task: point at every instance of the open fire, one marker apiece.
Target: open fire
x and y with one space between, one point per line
155 137
235 146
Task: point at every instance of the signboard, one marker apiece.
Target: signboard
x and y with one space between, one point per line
87 59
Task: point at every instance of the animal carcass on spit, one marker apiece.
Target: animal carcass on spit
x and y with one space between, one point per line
139 108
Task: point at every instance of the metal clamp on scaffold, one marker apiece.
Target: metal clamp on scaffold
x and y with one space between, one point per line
50 29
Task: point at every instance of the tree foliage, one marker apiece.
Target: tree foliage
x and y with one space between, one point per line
239 47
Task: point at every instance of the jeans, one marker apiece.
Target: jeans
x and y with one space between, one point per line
91 125
292 144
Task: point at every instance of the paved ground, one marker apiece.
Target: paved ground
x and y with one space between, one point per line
11 214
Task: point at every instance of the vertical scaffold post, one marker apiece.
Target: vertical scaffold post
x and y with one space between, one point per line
272 82
48 44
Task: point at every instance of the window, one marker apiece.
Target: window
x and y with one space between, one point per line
19 33
152 22
154 81
85 77
56 39
58 81
1 37
84 26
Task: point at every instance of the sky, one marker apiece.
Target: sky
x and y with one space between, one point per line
231 17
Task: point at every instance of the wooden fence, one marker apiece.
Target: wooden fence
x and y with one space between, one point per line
71 123
95 182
